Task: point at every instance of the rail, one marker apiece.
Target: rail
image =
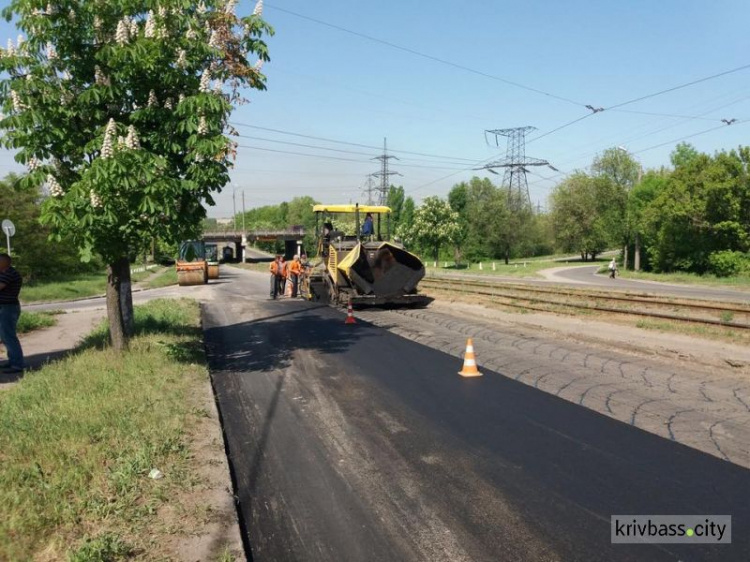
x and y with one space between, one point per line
513 293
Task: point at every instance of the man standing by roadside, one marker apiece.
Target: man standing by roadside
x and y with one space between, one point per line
295 269
275 269
10 310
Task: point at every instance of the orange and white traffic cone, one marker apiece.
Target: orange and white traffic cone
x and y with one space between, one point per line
350 314
470 363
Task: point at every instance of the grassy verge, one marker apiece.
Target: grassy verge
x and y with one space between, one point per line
79 438
71 287
164 279
30 321
519 268
736 282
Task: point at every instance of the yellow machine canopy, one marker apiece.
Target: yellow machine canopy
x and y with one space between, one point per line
351 209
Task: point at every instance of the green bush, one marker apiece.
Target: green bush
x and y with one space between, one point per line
727 263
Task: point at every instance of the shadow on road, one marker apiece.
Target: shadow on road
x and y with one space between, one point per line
267 343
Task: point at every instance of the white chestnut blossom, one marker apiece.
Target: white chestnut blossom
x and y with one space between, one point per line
132 141
202 126
18 105
168 103
71 15
213 41
150 25
205 84
133 28
218 87
97 23
120 142
99 78
50 9
191 34
258 11
95 200
123 31
20 41
51 51
229 7
181 58
107 147
33 164
152 100
258 65
181 99
55 189
11 49
202 8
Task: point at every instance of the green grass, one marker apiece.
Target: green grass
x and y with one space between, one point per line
30 321
517 268
71 287
79 437
737 282
164 279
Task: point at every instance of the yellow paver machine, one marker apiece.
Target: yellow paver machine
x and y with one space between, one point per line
360 262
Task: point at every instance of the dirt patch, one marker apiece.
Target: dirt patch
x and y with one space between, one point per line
605 334
206 526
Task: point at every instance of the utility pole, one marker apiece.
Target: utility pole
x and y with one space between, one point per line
515 163
384 174
243 211
234 206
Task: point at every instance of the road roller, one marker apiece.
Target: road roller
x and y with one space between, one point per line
358 261
212 257
192 266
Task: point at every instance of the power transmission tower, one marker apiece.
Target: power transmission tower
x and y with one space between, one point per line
369 188
384 174
515 163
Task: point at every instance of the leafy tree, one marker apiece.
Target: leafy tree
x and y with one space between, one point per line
683 154
576 214
406 220
435 224
703 209
120 107
620 169
34 256
395 200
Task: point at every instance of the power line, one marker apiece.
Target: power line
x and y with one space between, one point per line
429 57
312 137
681 86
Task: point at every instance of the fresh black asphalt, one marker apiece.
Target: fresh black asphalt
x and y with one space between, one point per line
511 472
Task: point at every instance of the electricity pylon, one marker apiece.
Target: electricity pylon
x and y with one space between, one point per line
515 163
384 174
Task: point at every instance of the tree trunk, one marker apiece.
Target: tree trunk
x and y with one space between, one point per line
437 251
507 255
625 257
120 303
637 258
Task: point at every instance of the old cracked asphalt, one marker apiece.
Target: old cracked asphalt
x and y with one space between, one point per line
357 443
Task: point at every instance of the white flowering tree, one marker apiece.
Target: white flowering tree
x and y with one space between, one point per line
121 107
434 224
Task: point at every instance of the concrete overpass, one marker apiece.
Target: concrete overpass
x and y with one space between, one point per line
237 241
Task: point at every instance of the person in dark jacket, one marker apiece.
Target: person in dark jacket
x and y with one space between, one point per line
10 310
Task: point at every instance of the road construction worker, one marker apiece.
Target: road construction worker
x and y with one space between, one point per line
295 269
275 269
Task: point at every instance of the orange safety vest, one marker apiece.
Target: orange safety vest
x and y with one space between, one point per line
274 268
295 267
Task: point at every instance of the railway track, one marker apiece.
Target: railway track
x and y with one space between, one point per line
542 299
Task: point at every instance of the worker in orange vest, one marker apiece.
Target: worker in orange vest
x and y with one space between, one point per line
275 269
284 272
295 269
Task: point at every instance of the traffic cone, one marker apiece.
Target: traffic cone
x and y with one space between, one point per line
470 363
350 314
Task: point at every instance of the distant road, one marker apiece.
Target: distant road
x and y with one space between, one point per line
587 275
257 255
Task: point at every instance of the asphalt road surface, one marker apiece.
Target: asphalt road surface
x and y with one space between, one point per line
351 443
588 275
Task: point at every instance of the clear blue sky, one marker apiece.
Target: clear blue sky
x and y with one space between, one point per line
324 82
